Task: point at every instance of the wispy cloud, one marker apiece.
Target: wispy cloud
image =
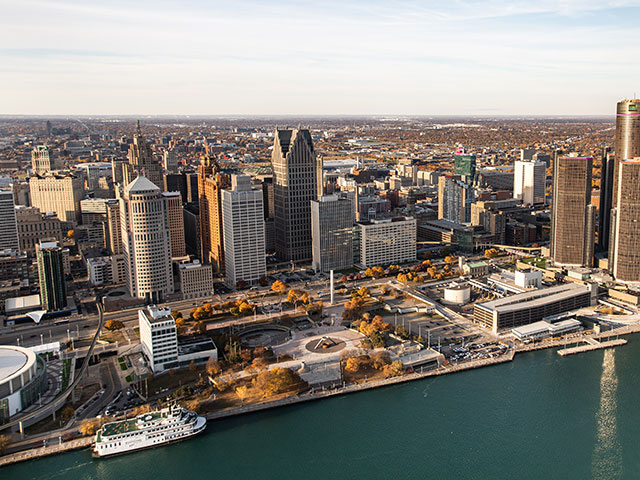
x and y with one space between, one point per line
287 56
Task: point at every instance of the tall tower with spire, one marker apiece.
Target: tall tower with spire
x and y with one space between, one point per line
142 161
211 182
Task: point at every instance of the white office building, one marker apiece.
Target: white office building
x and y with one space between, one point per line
530 181
158 338
387 241
146 241
243 229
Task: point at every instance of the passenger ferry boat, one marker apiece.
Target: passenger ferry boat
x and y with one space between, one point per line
148 430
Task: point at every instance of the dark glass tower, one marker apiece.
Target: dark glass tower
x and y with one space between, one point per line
53 287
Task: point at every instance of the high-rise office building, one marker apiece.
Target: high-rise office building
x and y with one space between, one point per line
211 182
118 167
624 243
59 193
53 287
173 201
453 197
297 175
243 227
142 161
8 223
332 233
624 249
572 215
464 164
385 242
33 225
530 181
42 160
113 234
170 160
606 193
145 239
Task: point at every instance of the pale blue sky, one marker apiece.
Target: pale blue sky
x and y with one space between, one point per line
318 57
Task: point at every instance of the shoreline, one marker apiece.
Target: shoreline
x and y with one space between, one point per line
509 356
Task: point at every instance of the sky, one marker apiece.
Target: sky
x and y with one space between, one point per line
299 57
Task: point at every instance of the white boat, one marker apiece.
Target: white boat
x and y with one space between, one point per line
152 429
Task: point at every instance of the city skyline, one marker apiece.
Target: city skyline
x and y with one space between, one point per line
317 59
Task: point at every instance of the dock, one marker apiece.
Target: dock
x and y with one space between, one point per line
591 344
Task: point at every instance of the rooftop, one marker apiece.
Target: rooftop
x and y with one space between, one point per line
535 298
142 185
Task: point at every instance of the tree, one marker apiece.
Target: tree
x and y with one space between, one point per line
67 413
5 441
89 426
262 281
176 315
213 366
242 392
279 287
241 285
259 363
70 233
113 325
245 308
401 331
353 364
277 380
394 369
200 327
180 322
192 366
448 259
491 253
380 359
378 272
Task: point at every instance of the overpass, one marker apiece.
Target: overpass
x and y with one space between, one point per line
58 402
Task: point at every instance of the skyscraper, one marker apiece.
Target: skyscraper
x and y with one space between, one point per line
41 160
243 227
453 196
529 181
146 241
332 233
211 182
53 287
173 201
8 224
606 193
297 180
624 241
573 216
59 193
142 161
464 164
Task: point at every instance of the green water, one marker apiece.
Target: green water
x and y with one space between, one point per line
539 417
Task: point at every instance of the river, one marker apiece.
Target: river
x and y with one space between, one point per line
540 416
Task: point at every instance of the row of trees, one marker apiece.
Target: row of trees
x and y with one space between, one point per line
377 361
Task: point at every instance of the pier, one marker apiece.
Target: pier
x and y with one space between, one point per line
591 344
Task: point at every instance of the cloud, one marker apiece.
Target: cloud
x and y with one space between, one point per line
309 56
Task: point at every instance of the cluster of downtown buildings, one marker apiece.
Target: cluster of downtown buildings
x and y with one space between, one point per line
149 223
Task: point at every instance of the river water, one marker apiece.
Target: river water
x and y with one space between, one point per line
541 416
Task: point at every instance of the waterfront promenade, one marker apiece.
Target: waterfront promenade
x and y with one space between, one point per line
508 356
